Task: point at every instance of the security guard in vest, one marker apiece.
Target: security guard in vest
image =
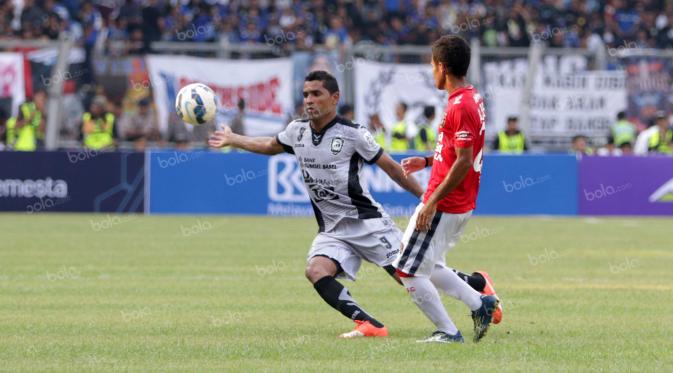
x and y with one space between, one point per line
24 130
98 126
511 140
399 142
424 140
377 129
622 132
661 141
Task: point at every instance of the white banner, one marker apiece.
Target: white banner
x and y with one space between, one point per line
11 79
379 87
566 100
265 85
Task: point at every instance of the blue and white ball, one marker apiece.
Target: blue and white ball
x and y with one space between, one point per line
196 104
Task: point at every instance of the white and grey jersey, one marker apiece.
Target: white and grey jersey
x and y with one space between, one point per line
331 163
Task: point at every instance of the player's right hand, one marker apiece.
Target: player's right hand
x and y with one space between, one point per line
412 164
220 138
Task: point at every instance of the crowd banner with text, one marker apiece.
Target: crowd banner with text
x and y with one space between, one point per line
265 85
566 99
12 86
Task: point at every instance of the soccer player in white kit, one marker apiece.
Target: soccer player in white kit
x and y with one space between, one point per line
352 226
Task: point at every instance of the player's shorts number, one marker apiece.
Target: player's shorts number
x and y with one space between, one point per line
385 242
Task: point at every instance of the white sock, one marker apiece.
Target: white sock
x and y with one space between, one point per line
426 297
448 281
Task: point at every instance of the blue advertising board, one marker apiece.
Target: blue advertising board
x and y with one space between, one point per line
83 180
528 185
244 183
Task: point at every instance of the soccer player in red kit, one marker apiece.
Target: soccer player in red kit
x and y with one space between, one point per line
440 219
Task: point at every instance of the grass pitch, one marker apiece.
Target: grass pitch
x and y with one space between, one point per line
111 293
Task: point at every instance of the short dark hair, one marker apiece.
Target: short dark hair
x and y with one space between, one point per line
621 115
404 105
429 111
512 118
453 52
327 79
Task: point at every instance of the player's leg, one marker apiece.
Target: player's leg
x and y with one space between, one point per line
475 280
328 259
482 306
479 281
414 265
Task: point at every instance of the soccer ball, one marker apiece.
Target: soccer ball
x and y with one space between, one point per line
196 104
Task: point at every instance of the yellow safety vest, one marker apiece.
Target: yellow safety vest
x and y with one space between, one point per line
380 138
100 137
664 147
623 132
401 144
511 144
418 142
25 140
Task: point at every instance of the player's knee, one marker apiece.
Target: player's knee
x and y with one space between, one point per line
314 273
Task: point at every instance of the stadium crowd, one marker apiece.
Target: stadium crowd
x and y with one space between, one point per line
302 24
299 25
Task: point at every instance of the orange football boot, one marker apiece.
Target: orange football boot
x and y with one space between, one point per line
490 290
365 329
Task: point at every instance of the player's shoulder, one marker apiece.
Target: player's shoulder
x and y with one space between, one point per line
466 101
348 123
297 123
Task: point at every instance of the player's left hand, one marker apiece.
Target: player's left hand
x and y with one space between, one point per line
412 164
220 138
425 216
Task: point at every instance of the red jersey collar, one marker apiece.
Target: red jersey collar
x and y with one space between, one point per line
461 90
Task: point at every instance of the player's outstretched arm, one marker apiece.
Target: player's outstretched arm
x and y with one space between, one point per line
260 145
395 171
413 164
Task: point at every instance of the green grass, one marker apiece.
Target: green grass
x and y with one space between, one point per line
103 293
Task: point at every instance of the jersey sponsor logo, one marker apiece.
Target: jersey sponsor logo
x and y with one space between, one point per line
337 145
663 194
370 139
439 147
456 101
462 135
322 190
301 134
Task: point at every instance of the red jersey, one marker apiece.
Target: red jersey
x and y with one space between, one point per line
463 126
